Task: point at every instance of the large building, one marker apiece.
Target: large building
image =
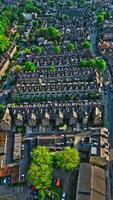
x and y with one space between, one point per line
91 183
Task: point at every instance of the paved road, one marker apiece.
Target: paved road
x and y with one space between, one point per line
6 89
107 100
26 159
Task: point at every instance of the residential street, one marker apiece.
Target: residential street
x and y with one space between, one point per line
107 101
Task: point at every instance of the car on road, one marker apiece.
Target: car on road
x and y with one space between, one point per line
34 192
63 196
22 147
68 143
58 182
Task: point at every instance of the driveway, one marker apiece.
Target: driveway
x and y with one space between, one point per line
64 175
69 179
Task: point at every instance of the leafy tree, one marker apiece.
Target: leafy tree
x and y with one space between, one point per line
65 17
3 43
57 49
70 47
86 45
91 62
27 51
52 68
1 29
101 17
50 33
30 66
98 63
101 64
68 159
108 15
83 63
28 5
22 18
1 108
4 23
54 34
40 171
38 50
18 68
41 195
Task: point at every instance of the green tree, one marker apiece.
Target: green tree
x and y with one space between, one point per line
27 51
91 62
97 63
1 29
52 68
30 66
83 63
41 195
3 43
40 171
28 5
57 49
101 17
18 68
38 49
70 47
108 15
86 44
101 64
50 33
22 18
68 159
1 108
65 18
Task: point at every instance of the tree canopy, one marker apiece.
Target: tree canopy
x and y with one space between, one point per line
97 63
52 68
101 64
30 66
68 159
57 49
18 68
101 17
86 44
27 51
40 171
50 33
38 49
3 43
1 109
70 46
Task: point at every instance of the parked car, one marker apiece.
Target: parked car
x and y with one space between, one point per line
22 147
63 196
58 182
